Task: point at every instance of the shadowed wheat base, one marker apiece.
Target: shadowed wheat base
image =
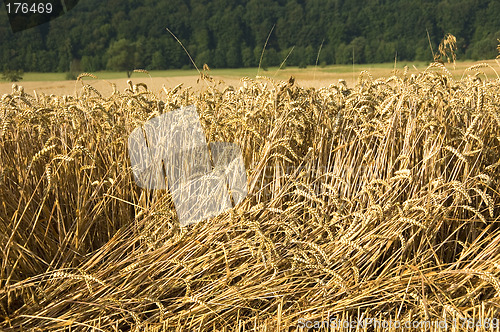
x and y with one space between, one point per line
381 200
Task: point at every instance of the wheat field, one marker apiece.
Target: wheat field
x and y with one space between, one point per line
378 200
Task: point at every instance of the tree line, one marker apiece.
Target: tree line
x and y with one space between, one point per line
116 34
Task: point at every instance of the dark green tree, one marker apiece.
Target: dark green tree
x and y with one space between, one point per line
121 56
12 75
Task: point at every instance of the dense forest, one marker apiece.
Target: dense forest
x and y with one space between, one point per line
117 34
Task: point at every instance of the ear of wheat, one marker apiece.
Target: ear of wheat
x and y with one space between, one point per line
380 199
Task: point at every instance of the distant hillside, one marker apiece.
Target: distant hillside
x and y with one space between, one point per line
117 34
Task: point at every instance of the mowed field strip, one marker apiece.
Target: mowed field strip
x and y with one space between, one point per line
54 83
